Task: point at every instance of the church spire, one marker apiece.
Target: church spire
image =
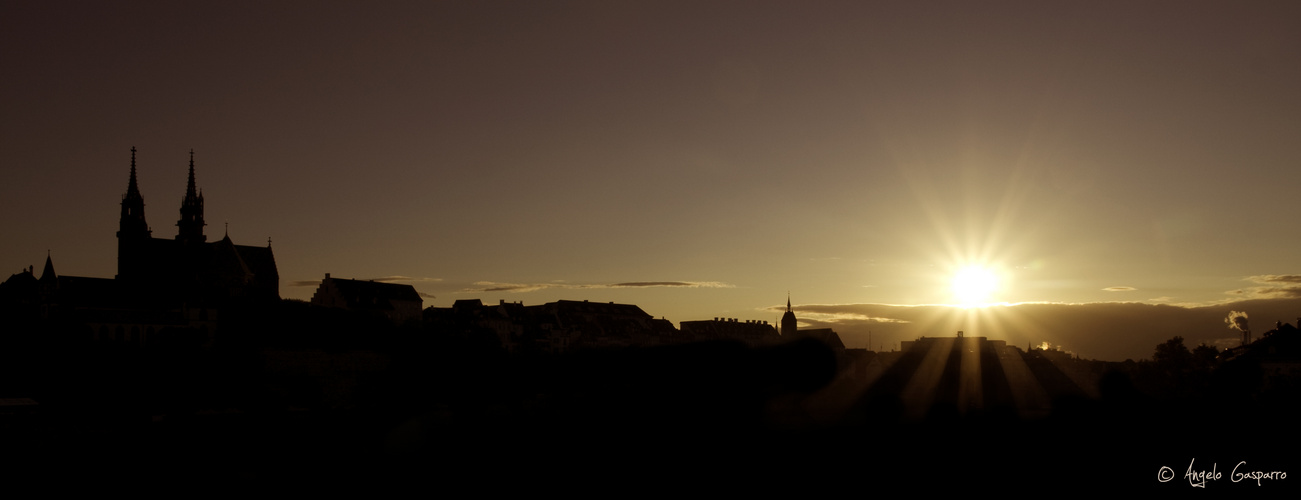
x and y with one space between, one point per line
189 189
132 230
191 223
132 222
789 325
49 282
47 274
132 189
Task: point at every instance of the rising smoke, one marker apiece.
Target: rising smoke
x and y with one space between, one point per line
1237 320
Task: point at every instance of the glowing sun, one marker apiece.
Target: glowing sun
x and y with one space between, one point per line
974 285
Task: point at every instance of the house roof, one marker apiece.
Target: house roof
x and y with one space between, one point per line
826 335
363 294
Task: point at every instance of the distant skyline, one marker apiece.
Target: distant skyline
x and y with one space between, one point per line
697 159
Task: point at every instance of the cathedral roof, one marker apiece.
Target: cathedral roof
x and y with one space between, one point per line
259 260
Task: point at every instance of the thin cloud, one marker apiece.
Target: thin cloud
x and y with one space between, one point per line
1276 278
673 284
408 279
1120 289
490 286
1276 286
385 279
1267 292
831 313
842 317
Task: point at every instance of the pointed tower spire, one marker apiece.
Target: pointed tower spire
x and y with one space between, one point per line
49 282
191 223
132 223
189 188
789 324
131 187
132 230
48 273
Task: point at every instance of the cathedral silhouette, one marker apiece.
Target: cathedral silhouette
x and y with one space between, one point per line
188 265
162 285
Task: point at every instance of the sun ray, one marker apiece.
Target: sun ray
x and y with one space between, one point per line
920 392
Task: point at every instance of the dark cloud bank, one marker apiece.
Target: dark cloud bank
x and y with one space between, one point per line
1112 331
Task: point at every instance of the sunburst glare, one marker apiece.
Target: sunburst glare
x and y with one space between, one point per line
974 285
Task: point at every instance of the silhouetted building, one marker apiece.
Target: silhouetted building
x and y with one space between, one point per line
790 330
946 377
172 286
556 327
981 343
751 332
789 324
863 364
510 324
398 303
20 288
108 309
1277 353
606 325
188 265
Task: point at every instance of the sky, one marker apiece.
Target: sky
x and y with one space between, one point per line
1115 168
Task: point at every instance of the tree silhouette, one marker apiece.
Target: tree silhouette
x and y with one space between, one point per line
1172 355
1204 357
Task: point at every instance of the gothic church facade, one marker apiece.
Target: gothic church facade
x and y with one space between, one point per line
188 265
